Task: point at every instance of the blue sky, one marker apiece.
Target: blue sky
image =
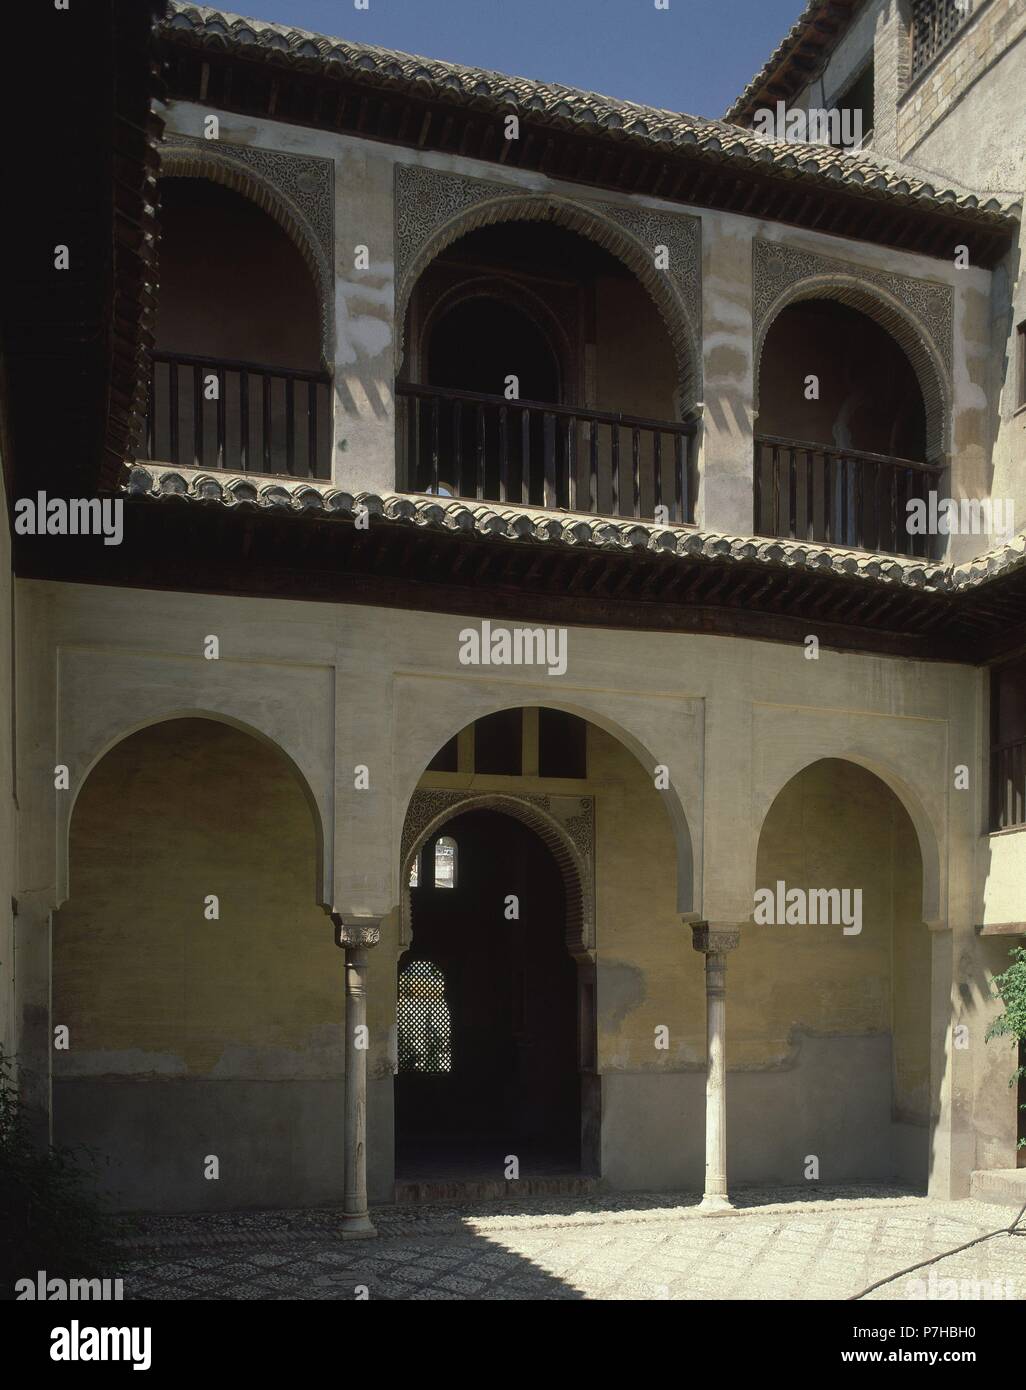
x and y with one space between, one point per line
695 57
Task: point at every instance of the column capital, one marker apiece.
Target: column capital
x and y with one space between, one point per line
713 938
351 930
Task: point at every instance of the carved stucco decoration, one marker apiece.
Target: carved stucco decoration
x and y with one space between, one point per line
297 190
566 824
433 208
919 315
356 931
714 940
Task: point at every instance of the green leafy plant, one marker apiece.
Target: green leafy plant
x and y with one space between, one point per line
50 1216
1010 986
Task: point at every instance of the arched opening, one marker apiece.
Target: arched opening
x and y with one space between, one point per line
488 1066
196 974
238 380
540 370
585 790
844 431
830 1019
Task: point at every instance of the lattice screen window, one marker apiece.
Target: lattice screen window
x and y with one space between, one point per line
424 1021
934 24
445 862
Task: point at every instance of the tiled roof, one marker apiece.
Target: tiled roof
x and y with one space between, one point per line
802 29
572 108
515 523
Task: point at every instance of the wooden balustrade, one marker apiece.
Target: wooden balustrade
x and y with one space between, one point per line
538 454
815 492
210 412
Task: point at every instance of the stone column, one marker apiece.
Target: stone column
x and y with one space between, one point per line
355 935
714 942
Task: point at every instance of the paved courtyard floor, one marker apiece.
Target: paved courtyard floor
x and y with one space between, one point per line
780 1244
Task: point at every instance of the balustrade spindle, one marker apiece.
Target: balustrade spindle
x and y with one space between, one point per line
172 378
222 406
681 478
615 508
549 450
197 417
503 455
525 464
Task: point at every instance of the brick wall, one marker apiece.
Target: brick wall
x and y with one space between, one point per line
993 28
891 60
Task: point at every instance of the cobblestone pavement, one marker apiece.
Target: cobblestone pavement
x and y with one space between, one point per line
783 1244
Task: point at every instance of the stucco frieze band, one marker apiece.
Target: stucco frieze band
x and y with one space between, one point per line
297 190
433 208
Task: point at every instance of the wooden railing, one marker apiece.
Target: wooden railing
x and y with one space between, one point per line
814 492
209 412
1008 784
465 444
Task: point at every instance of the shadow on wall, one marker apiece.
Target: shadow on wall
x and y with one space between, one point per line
198 978
829 1033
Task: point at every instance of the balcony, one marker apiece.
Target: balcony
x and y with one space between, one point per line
539 454
539 371
209 412
238 379
807 491
849 428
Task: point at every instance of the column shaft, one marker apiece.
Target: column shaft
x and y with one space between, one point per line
714 941
716 1076
356 1222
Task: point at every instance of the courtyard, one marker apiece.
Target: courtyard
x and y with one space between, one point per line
779 1245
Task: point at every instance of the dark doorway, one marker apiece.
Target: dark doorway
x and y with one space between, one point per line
481 341
488 1012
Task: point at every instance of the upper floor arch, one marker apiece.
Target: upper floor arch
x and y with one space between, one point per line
241 369
277 190
594 225
911 336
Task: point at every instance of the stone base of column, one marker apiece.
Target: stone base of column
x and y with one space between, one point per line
715 1204
358 1228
